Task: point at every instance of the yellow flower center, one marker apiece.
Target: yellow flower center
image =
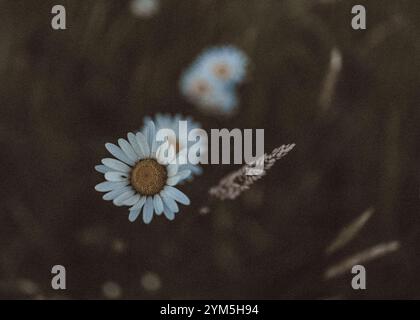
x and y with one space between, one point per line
148 177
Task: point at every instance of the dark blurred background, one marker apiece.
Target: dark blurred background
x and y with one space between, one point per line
63 94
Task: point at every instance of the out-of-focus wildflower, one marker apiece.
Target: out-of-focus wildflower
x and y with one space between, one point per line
151 281
118 246
226 64
210 82
198 86
180 143
144 8
111 290
142 177
204 211
225 101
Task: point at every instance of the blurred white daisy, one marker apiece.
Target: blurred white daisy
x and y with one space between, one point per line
224 101
210 82
141 177
181 144
198 86
226 64
207 93
112 290
144 8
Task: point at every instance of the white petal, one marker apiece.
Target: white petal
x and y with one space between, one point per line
158 204
151 135
116 176
132 200
139 204
102 169
118 153
177 195
128 149
161 152
172 169
133 215
148 211
119 201
116 165
172 180
183 156
115 193
165 154
133 141
169 202
168 213
147 119
196 170
142 141
184 174
109 186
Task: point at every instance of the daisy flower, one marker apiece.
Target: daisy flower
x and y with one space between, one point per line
139 176
206 93
198 86
181 145
144 8
210 82
226 64
224 101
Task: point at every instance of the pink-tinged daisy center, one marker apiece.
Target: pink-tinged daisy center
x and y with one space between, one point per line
200 88
148 177
221 70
